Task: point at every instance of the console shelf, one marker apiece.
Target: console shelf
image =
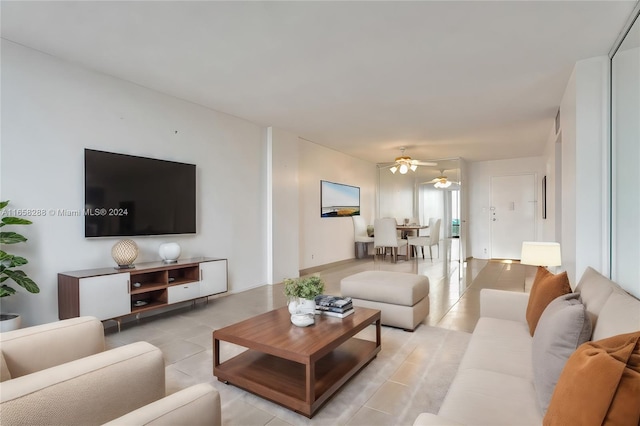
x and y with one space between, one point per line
109 293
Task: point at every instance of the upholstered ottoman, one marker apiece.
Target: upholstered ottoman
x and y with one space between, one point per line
402 298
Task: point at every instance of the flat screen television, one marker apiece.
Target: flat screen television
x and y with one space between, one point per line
126 195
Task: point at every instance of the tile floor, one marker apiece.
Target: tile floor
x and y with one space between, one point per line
184 335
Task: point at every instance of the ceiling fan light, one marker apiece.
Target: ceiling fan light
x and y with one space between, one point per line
393 169
413 167
403 169
442 185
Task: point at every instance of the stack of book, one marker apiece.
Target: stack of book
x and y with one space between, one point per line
334 306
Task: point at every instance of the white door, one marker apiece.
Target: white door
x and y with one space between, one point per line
213 277
513 207
106 296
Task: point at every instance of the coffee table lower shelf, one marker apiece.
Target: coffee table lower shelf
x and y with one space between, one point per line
286 382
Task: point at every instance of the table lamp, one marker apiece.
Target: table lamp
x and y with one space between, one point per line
539 253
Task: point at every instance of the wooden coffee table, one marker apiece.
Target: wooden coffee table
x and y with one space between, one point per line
297 367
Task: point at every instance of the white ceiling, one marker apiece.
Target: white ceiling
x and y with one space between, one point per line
473 79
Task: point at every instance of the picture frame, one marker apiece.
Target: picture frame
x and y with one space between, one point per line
544 197
339 200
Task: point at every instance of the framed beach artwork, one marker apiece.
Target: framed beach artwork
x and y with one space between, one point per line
339 200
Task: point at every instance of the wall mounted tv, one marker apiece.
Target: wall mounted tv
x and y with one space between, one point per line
125 195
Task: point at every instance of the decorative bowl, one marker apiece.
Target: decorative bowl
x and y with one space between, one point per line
302 320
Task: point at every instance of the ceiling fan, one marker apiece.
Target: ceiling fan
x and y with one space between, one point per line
442 181
404 163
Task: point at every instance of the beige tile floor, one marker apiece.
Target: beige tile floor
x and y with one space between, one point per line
184 335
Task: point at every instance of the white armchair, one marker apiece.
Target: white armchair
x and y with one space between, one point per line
60 373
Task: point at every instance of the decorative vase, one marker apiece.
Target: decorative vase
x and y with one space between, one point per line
293 305
124 252
298 305
306 306
9 322
303 320
169 252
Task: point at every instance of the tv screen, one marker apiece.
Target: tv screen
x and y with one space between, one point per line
127 195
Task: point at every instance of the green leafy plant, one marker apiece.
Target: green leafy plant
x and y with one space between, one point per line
306 288
9 261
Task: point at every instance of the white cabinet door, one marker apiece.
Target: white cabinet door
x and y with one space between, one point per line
178 293
106 296
213 277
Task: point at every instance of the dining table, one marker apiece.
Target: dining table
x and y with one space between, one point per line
406 230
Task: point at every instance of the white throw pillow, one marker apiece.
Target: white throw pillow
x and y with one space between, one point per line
564 325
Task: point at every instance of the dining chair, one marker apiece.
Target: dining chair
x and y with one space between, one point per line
361 237
432 240
386 237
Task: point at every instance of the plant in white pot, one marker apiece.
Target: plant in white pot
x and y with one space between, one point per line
8 263
301 293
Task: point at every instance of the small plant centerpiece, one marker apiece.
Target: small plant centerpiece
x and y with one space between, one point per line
301 294
8 263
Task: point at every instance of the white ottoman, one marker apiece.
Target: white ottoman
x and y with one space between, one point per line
402 298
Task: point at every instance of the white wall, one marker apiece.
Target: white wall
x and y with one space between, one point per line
328 240
584 118
479 184
52 110
568 132
550 228
283 223
397 194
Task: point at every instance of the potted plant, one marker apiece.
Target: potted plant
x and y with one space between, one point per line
8 263
301 293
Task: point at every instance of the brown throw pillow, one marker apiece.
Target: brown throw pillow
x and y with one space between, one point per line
600 384
546 287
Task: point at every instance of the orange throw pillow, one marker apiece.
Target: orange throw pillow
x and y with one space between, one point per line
546 287
600 384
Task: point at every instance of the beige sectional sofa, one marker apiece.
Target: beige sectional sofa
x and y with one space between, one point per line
495 382
60 373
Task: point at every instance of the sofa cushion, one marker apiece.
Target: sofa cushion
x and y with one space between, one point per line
65 341
502 346
620 314
546 287
563 326
594 289
480 397
600 384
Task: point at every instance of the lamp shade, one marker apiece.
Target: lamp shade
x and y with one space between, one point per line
540 253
